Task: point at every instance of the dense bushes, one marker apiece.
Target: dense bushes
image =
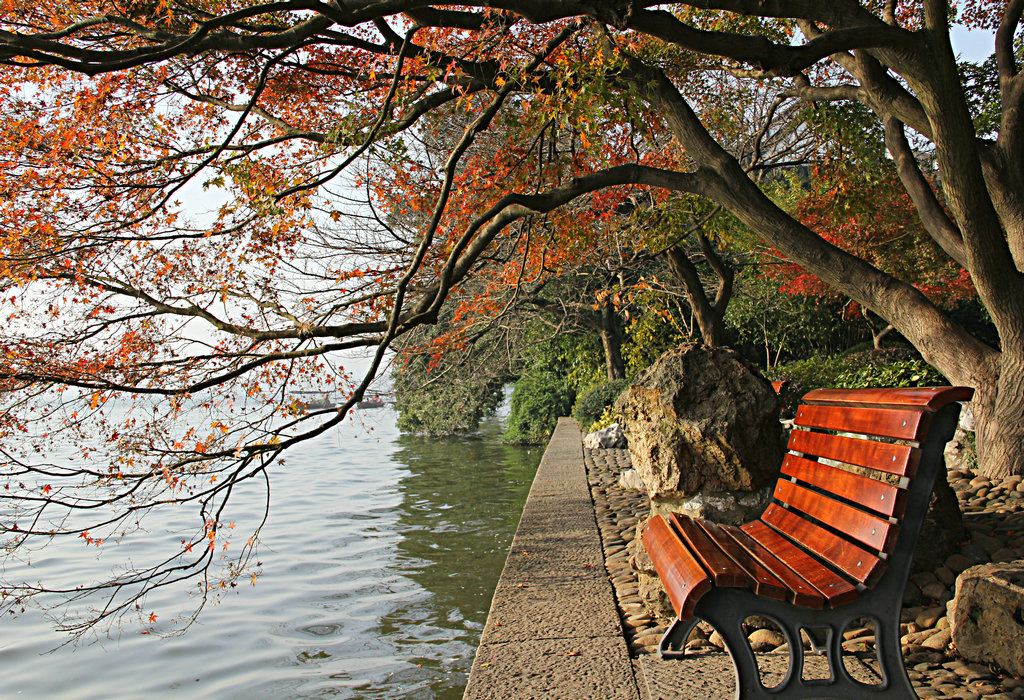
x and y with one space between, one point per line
855 370
539 398
555 371
443 402
591 404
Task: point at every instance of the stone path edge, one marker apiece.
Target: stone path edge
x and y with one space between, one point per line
554 629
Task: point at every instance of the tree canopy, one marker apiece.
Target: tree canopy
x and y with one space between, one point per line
204 203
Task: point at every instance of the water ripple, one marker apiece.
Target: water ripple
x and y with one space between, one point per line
379 561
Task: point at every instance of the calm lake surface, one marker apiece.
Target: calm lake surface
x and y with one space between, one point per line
379 561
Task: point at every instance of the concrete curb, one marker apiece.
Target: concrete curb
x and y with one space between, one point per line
553 630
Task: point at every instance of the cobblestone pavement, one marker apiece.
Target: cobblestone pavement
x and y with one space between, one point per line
993 514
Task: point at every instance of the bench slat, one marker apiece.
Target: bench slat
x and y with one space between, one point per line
837 590
878 496
928 398
883 456
857 563
883 422
759 578
723 570
684 579
799 591
870 530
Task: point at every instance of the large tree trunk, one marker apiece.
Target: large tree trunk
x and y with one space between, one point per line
998 408
611 341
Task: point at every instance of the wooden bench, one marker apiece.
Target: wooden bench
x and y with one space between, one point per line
833 547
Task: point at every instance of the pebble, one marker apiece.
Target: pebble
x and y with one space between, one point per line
936 591
648 639
945 575
938 641
957 562
929 616
765 639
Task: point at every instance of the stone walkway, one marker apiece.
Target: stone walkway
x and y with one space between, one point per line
993 513
553 630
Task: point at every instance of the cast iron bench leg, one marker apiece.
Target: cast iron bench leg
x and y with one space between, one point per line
725 610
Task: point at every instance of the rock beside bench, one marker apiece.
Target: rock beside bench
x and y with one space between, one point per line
987 615
701 420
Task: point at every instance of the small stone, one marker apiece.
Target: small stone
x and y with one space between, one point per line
647 640
1004 554
860 644
929 616
945 575
975 553
938 641
957 563
936 591
717 640
922 655
923 578
765 639
855 633
912 595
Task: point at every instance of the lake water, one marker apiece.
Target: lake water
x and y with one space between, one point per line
379 561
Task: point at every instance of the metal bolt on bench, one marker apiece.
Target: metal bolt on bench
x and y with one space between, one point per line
834 546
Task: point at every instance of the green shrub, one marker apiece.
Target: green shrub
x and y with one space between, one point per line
891 367
591 404
607 418
540 396
553 373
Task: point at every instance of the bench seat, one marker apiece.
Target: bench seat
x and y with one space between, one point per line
837 538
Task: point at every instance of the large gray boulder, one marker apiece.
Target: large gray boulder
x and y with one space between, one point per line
987 615
702 421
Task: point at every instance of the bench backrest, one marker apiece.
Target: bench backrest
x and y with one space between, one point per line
851 468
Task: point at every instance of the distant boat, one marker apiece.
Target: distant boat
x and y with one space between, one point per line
371 402
317 400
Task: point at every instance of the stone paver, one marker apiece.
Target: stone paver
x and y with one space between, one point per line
563 669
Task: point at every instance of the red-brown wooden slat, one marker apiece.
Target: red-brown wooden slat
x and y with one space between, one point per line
928 398
877 495
723 570
884 422
870 530
684 579
857 563
837 590
799 592
759 578
883 456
